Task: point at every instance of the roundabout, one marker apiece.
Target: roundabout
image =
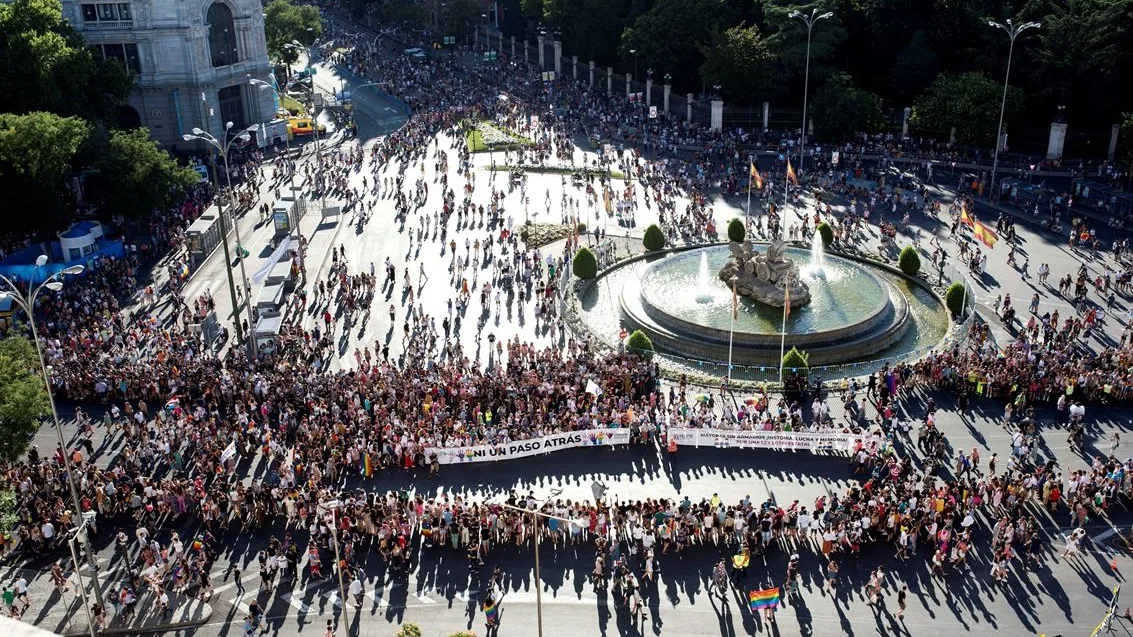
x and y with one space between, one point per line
858 317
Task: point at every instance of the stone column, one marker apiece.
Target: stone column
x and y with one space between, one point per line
558 59
1113 132
717 115
952 136
476 38
668 89
905 123
574 66
688 107
766 114
526 52
542 62
628 78
609 80
591 73
513 47
1057 141
648 92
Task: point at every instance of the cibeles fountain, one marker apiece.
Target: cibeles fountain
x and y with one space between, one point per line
842 310
768 277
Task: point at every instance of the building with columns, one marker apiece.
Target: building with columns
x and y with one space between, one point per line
192 59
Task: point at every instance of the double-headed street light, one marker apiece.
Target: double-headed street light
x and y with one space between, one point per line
223 148
1013 32
258 83
295 45
809 20
332 506
26 302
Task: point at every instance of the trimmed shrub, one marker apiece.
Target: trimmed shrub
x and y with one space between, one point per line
580 228
463 633
796 361
654 239
640 342
827 233
956 297
909 261
585 264
409 629
736 230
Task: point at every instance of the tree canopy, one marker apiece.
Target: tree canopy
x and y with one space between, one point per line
134 176
47 67
969 102
285 23
23 396
37 151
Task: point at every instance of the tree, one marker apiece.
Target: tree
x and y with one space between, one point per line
788 37
409 629
23 397
915 69
841 110
956 298
909 261
640 342
654 239
796 361
673 34
740 61
736 230
584 265
9 510
285 23
968 101
458 17
135 176
37 151
826 232
49 68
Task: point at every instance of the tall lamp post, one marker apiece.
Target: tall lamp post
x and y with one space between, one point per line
634 52
536 515
295 45
206 137
294 197
26 302
814 16
1013 32
332 506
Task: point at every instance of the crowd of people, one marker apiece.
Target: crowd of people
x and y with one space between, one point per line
183 427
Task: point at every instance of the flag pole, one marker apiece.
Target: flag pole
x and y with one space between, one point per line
783 343
750 183
732 328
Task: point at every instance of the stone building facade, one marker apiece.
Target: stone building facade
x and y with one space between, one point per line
192 58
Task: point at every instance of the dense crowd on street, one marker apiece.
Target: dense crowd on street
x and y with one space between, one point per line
183 427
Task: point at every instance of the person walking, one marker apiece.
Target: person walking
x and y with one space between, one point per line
902 596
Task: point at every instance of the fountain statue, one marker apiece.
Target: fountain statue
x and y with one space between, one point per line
765 277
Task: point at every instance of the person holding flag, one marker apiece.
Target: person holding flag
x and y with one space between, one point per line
755 180
791 176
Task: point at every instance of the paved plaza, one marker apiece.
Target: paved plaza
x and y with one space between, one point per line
440 593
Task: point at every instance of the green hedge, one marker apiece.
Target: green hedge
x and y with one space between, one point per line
795 360
909 261
585 264
827 233
654 239
640 342
736 230
955 298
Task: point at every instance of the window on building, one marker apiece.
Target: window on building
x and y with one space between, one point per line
108 14
222 35
126 54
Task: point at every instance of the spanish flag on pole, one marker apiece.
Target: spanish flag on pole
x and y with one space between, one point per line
756 178
791 176
964 218
985 234
735 303
786 302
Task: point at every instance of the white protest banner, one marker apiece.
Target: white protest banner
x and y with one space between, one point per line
780 440
531 447
229 452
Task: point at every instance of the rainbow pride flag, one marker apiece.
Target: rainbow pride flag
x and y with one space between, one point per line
766 598
367 468
491 612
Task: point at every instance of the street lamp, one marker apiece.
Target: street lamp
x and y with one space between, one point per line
814 16
332 506
26 302
536 514
258 83
77 536
634 52
296 46
1013 32
206 137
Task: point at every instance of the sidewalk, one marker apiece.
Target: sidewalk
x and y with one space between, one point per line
64 614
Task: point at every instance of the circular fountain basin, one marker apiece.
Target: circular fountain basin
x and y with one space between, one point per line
853 312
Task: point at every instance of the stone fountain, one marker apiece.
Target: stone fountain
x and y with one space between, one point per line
765 276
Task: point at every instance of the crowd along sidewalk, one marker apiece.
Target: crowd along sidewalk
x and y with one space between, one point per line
63 613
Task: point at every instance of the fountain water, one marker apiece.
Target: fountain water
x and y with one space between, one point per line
703 291
817 255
